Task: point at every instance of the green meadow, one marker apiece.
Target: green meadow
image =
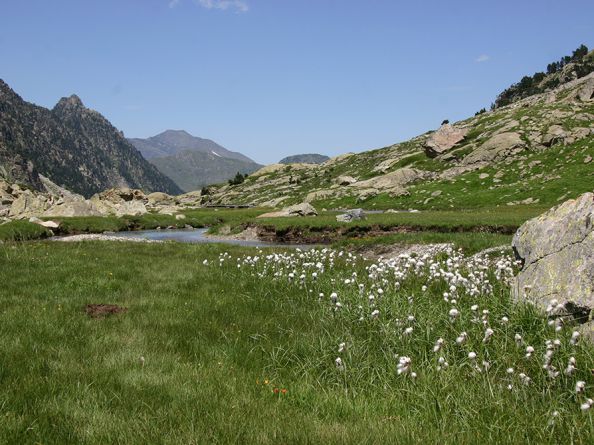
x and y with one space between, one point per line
228 353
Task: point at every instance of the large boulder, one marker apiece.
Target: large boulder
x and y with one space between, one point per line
74 208
28 204
444 139
303 209
133 208
554 135
345 180
118 195
557 250
586 91
319 194
351 215
160 198
497 148
393 180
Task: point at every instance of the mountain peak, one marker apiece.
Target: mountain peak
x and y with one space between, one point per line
69 103
177 132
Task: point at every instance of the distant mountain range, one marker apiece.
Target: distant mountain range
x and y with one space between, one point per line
72 145
310 158
192 162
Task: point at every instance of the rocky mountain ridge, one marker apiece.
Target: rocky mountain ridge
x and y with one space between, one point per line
193 162
72 145
307 158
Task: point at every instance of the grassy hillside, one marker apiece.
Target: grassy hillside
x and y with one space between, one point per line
538 150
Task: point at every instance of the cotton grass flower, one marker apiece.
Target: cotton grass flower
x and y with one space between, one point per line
580 387
442 363
529 351
488 335
575 336
461 339
438 344
454 314
403 365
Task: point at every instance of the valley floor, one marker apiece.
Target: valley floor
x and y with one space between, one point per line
216 348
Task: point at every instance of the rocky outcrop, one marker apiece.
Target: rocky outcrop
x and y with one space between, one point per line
444 139
19 203
557 250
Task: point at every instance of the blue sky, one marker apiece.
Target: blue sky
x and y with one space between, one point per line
272 78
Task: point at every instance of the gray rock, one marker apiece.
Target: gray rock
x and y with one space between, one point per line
393 180
351 215
498 147
554 135
586 92
303 209
28 204
443 139
74 208
345 180
557 249
133 208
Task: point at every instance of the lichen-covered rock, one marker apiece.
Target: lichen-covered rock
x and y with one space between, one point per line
557 249
443 139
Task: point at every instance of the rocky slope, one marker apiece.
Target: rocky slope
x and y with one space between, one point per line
18 202
72 145
537 150
309 158
193 162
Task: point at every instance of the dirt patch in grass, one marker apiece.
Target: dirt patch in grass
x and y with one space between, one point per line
103 310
